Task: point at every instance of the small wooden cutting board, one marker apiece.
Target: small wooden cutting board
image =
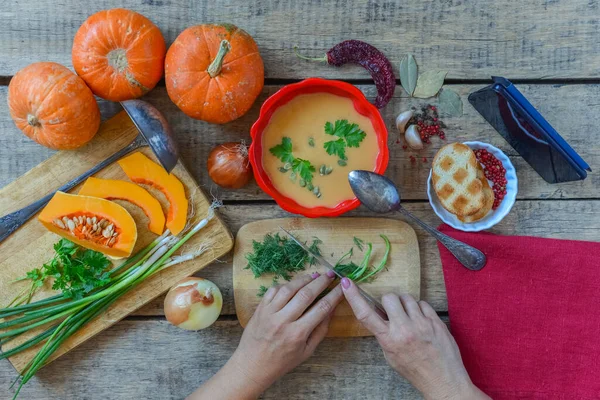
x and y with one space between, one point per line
402 275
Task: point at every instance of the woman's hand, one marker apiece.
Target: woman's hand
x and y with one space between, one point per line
283 332
417 344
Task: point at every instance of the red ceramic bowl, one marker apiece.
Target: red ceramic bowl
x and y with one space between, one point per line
284 95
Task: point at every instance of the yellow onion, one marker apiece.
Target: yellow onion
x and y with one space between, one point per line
193 304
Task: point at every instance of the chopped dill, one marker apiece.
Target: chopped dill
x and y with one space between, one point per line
359 243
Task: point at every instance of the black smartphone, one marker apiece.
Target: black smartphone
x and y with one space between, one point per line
524 128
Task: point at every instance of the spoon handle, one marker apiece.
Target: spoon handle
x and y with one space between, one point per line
468 256
11 222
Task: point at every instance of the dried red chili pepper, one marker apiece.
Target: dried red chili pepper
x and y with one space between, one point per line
367 56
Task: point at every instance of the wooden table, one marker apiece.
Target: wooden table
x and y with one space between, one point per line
551 48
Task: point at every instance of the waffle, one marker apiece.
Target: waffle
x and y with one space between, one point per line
489 199
455 180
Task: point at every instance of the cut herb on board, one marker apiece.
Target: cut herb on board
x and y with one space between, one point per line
429 83
349 135
279 256
409 73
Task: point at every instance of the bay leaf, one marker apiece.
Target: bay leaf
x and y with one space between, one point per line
450 103
409 71
429 83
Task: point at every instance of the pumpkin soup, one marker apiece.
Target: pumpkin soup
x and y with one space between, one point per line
311 144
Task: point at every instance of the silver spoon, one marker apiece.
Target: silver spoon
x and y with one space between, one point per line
379 194
154 131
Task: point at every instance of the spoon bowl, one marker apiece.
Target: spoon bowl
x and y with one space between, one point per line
155 129
380 195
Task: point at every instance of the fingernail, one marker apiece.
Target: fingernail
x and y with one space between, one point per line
330 274
315 275
345 283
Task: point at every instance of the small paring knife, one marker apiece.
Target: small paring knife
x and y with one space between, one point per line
374 303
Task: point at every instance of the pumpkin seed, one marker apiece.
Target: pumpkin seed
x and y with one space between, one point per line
318 195
316 190
309 186
322 169
71 225
103 223
287 166
328 170
342 163
94 220
283 170
311 141
114 234
293 176
88 221
83 229
111 227
59 223
106 234
94 227
65 220
302 182
80 220
111 241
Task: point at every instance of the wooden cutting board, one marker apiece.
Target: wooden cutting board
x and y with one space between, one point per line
403 273
31 245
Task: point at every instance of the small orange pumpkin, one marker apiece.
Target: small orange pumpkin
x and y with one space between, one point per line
53 106
214 72
119 53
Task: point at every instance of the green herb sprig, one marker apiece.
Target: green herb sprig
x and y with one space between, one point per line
349 135
300 168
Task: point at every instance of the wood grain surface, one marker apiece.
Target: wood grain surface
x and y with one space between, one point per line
401 275
31 245
550 47
471 39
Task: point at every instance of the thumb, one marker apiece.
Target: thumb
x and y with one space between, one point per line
362 309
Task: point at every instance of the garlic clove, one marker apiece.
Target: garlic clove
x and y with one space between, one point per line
402 120
413 138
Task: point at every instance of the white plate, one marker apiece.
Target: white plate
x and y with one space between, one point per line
493 216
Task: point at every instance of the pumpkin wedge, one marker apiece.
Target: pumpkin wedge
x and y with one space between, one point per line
91 222
140 169
114 189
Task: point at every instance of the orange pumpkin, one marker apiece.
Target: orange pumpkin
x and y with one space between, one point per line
53 106
214 72
119 54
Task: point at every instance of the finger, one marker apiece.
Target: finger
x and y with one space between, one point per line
410 305
289 290
269 295
362 310
322 309
394 308
317 335
305 297
427 310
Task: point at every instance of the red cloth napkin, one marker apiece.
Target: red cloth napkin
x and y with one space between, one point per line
528 323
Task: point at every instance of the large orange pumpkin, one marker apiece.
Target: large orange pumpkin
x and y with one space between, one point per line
214 72
119 54
53 106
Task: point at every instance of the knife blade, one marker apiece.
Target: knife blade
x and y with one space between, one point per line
370 299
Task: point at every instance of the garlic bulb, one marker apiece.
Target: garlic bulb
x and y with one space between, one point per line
413 138
402 120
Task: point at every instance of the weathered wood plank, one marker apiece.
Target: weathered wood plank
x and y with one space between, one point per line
566 219
114 365
470 38
568 107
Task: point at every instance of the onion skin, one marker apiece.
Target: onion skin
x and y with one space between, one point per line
193 304
228 165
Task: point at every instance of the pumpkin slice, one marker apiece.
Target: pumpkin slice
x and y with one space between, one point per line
113 189
91 222
141 169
